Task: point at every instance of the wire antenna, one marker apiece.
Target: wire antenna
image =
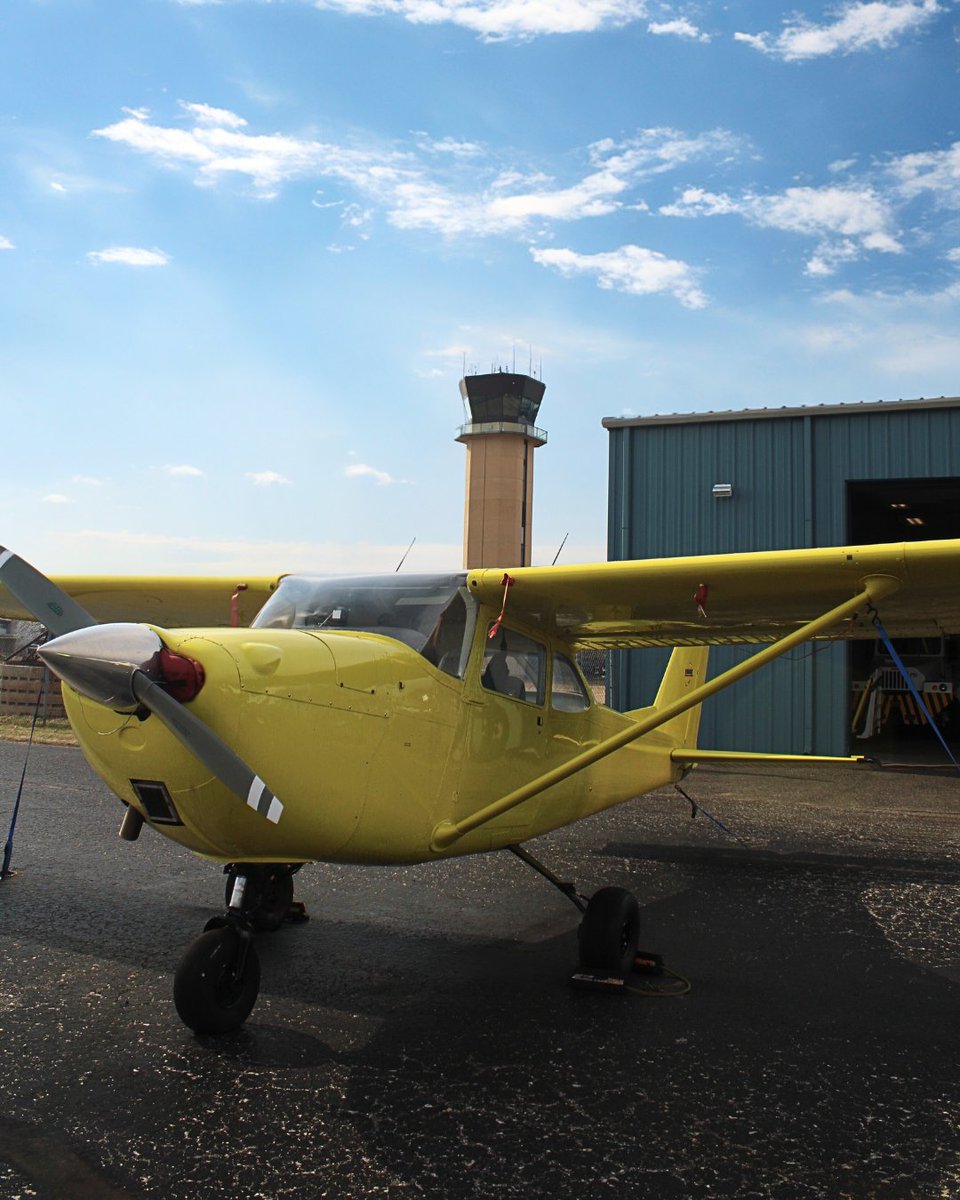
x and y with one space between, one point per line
404 559
562 544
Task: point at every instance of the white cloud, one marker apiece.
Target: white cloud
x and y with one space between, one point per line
858 26
934 171
267 478
87 481
849 221
219 149
495 20
184 470
57 498
358 470
461 194
680 27
631 269
130 256
5 243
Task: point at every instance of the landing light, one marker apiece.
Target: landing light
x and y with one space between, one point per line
181 676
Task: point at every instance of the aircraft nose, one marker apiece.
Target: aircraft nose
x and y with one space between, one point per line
101 661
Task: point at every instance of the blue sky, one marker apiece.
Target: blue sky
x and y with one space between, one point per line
247 247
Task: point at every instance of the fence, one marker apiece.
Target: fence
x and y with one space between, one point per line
21 687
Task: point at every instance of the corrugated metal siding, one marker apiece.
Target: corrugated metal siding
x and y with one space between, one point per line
789 477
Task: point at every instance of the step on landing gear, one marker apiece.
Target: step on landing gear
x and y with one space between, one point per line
216 984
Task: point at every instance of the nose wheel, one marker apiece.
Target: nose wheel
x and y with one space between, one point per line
216 984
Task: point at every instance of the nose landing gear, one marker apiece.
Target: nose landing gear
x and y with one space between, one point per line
216 984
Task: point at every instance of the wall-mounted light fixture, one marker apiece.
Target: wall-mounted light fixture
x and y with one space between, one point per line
722 491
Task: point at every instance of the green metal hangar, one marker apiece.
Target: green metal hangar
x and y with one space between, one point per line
766 479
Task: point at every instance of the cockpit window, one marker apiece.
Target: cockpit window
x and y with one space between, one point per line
433 614
514 665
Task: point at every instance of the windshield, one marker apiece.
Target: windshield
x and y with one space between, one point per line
431 613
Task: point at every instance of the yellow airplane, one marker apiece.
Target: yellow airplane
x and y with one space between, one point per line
408 718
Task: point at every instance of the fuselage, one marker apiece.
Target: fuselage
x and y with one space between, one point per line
368 743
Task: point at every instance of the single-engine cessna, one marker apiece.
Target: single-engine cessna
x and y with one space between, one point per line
408 718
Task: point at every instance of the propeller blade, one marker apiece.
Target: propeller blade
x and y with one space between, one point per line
211 750
49 604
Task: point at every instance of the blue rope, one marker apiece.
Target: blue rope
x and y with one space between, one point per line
8 848
695 808
913 689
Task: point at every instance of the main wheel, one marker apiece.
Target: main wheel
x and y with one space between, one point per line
610 932
216 984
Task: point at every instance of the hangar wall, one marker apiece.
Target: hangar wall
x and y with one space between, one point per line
789 469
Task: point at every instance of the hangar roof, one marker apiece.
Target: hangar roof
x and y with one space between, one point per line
762 414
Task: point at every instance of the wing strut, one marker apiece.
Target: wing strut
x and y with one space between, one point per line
876 587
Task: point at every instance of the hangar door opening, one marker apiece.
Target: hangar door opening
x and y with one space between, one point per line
884 717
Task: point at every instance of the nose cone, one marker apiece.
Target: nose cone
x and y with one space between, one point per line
100 662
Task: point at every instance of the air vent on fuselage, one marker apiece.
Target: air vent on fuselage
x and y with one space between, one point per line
156 801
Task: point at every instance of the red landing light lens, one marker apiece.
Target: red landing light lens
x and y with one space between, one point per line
182 677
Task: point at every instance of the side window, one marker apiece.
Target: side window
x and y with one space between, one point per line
514 665
567 693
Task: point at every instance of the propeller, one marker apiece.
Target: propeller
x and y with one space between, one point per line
125 666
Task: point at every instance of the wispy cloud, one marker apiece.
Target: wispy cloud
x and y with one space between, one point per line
5 243
154 552
858 26
267 478
57 498
206 114
360 470
87 481
129 256
496 20
184 470
632 269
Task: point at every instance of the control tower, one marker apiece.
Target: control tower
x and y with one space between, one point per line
500 438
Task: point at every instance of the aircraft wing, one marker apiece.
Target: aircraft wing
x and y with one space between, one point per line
167 600
730 598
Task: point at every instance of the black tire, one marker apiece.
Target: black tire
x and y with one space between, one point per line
267 896
208 995
610 932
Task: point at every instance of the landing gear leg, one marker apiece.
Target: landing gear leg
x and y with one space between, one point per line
268 894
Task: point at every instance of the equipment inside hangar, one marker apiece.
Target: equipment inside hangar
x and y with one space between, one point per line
789 478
